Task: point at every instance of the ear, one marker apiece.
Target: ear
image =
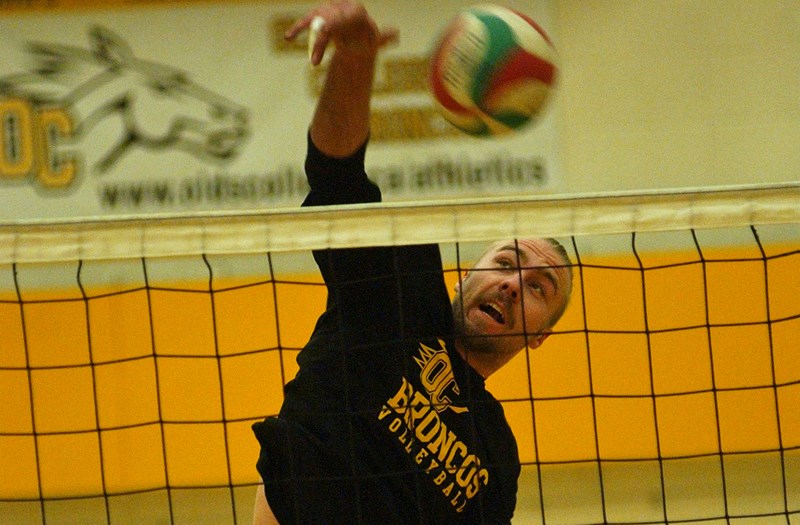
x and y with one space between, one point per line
537 340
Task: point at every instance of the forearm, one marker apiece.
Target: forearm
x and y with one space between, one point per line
341 120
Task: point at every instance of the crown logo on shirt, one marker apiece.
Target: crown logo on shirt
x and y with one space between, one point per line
436 376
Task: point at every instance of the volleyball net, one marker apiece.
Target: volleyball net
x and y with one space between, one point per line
137 353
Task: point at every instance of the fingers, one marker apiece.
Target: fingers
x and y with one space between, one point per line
317 40
318 34
299 26
345 23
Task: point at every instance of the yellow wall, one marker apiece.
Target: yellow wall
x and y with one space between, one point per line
228 359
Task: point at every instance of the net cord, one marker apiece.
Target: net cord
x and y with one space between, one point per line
283 230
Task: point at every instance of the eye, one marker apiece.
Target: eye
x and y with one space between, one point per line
505 263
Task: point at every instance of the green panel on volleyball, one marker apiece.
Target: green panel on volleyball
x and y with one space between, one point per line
501 43
512 119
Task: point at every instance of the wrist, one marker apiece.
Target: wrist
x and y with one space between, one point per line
360 43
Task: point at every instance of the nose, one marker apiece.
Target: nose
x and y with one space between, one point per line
511 287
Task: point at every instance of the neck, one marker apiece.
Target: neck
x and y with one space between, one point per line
484 365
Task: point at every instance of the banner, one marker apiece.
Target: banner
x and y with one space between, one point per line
159 107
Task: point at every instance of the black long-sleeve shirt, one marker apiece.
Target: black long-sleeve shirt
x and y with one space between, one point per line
384 423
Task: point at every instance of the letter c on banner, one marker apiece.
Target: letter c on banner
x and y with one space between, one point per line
54 172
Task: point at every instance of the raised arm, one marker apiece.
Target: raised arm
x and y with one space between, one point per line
341 120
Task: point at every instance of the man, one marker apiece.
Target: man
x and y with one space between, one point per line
388 420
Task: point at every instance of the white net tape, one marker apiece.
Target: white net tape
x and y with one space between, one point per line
399 224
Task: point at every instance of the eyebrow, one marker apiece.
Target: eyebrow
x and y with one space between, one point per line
522 257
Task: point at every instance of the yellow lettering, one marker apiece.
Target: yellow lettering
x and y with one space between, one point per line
54 172
467 470
403 438
446 491
434 464
400 400
426 438
441 445
458 448
428 427
409 123
16 138
436 377
440 478
419 406
385 411
403 75
456 498
477 482
396 76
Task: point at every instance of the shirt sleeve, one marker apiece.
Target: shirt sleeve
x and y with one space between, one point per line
375 287
338 180
342 181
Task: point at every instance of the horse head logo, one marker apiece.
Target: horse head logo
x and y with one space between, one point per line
119 102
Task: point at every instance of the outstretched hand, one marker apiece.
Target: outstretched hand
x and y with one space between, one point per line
344 23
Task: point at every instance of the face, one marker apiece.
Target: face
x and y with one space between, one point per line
509 299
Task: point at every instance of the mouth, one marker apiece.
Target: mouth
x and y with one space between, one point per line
493 311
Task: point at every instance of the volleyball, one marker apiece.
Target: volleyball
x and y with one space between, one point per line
492 70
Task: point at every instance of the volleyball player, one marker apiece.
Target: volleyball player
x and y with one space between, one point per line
388 420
